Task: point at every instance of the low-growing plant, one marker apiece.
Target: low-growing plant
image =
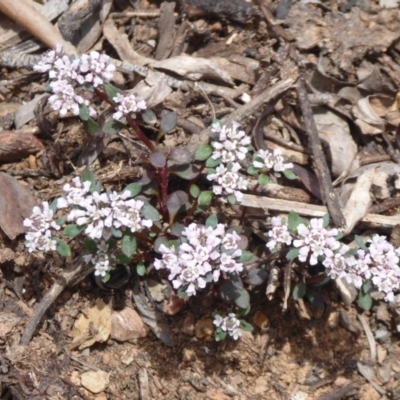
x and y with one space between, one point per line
154 228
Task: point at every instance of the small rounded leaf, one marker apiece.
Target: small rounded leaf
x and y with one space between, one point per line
205 198
168 122
203 152
63 249
194 191
158 159
180 156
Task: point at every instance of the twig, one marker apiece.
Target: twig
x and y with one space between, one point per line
320 165
309 210
244 111
370 337
51 295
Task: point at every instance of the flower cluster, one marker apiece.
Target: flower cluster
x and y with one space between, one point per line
266 160
233 143
203 254
232 146
100 211
127 105
69 75
41 225
103 261
228 180
377 262
229 324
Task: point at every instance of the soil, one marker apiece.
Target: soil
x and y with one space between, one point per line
92 342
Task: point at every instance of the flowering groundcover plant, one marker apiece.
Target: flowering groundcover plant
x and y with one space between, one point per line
159 230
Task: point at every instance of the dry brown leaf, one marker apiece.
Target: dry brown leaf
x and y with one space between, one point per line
16 204
95 324
359 201
193 68
335 132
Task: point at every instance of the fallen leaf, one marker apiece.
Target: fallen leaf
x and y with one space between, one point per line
96 320
16 204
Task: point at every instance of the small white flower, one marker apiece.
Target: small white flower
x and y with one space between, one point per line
127 105
267 160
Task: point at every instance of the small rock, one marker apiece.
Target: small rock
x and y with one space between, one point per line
6 255
188 355
382 314
261 320
127 324
349 323
106 358
384 373
95 381
204 328
381 353
382 334
188 325
333 320
367 392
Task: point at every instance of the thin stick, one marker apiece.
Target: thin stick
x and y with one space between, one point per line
309 210
51 295
320 165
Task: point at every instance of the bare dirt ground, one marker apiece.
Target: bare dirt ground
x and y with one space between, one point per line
92 342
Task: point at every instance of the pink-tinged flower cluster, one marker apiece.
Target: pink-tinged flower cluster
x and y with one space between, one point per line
314 240
229 181
100 212
41 226
279 234
229 324
103 261
201 257
378 262
232 144
268 160
127 105
69 75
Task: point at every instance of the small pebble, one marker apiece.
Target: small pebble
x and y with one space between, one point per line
382 334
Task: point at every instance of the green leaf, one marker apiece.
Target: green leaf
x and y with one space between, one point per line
117 233
294 221
128 245
243 298
299 291
105 278
112 126
168 122
63 249
263 179
360 242
111 90
232 199
364 297
252 170
73 230
246 256
53 206
325 219
194 191
205 198
177 229
90 246
203 152
212 221
140 269
123 259
211 163
245 326
220 335
149 212
294 253
88 175
289 174
186 171
133 188
84 112
91 126
60 221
